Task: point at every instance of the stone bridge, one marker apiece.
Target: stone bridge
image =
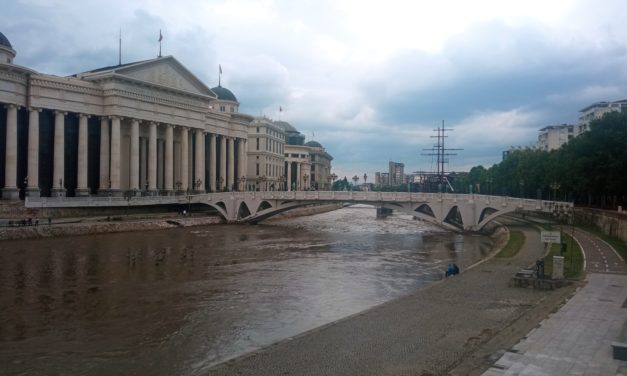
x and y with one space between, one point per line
468 212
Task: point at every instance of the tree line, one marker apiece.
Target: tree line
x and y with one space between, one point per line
590 169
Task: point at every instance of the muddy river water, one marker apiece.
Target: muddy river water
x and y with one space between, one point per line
177 302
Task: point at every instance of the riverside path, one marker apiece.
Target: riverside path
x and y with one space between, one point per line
577 339
428 332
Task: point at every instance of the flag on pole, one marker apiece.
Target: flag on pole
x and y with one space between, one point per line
160 36
280 109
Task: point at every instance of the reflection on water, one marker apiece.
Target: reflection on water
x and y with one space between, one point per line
178 301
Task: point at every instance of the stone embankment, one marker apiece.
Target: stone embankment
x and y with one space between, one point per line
62 225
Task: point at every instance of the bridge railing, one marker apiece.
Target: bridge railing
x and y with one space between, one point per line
337 196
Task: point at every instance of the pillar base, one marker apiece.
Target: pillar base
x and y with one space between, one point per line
82 192
11 193
57 192
33 192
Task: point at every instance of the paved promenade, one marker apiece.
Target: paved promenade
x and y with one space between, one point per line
458 322
577 339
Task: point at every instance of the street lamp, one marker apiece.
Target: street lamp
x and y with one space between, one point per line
333 178
365 179
355 179
555 186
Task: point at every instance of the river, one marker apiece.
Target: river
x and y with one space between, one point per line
177 302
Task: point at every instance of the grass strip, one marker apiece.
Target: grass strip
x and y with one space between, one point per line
514 244
573 258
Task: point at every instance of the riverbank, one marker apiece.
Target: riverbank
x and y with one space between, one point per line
89 225
453 326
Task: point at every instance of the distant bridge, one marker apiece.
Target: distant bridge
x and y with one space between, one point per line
468 212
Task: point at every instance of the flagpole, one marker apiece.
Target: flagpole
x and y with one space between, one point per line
160 38
120 49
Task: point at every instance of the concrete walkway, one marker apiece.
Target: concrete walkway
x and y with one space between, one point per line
427 333
577 339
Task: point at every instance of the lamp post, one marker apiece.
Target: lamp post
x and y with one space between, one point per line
555 186
355 179
333 178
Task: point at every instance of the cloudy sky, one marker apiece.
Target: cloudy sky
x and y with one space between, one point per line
370 80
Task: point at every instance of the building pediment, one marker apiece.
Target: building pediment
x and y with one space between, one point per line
165 72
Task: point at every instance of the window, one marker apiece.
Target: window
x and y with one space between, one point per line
232 109
257 129
257 169
257 144
222 108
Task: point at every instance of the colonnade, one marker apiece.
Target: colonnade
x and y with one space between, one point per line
135 155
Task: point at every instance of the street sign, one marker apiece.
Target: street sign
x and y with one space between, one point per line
550 237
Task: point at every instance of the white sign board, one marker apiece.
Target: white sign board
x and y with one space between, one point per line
550 237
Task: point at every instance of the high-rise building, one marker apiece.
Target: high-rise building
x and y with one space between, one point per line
397 174
596 111
554 136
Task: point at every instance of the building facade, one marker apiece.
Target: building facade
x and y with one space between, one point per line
149 126
266 143
320 177
596 111
396 173
552 137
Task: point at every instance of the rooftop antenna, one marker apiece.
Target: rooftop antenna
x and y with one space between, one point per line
120 49
160 39
220 75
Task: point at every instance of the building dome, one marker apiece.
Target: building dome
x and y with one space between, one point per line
7 53
313 144
4 41
224 94
287 126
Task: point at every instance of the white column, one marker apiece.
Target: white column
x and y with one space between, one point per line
134 170
58 172
241 167
222 163
10 171
289 176
200 160
169 158
81 173
152 158
33 152
115 153
231 163
212 162
298 181
105 178
184 159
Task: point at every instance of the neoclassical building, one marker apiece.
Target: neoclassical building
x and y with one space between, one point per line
149 126
266 142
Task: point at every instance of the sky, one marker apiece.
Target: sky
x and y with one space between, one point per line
369 80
